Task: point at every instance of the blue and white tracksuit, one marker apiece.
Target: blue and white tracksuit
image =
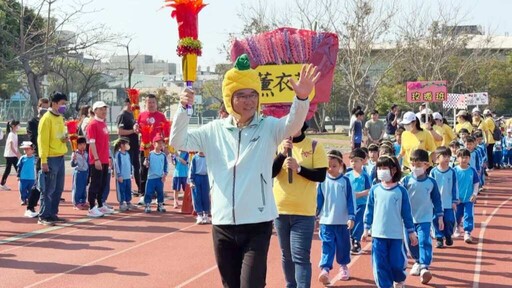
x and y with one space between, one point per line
447 184
388 210
27 174
467 183
423 194
123 168
201 191
359 183
80 177
335 206
157 169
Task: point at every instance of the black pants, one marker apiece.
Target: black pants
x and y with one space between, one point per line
134 157
99 179
9 162
490 159
34 194
143 174
241 253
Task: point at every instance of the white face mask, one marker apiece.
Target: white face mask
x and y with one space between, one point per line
384 175
418 171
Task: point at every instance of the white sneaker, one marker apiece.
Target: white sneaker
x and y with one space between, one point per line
4 187
95 212
141 201
105 210
399 285
456 232
199 219
123 207
425 276
415 270
31 214
467 238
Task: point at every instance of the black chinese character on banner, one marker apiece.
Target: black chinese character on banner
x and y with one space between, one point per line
283 83
265 79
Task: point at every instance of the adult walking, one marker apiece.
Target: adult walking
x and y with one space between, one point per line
414 137
392 121
128 127
99 160
443 129
240 151
374 128
154 118
51 142
488 129
296 204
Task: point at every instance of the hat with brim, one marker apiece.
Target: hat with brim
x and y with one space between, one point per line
158 138
462 113
437 116
26 144
99 104
408 118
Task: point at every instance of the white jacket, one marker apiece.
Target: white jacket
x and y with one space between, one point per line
239 161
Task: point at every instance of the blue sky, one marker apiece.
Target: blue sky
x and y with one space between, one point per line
154 32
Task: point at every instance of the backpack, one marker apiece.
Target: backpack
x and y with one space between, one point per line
496 133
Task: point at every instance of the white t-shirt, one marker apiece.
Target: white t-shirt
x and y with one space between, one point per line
11 138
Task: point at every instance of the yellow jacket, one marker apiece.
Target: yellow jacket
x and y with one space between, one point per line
50 135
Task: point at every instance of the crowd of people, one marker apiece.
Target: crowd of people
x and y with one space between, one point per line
413 180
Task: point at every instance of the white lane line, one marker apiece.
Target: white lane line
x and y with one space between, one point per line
480 247
352 261
196 277
109 256
50 229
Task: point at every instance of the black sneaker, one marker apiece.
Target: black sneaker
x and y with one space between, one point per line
57 219
62 200
45 222
449 241
439 243
356 247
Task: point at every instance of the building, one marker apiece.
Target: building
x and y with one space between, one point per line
117 66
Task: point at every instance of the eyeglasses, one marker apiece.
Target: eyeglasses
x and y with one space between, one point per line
252 96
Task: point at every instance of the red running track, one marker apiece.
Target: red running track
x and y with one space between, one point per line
168 250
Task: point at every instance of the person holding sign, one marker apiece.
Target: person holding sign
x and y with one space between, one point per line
243 206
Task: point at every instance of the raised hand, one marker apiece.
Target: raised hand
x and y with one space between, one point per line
187 97
308 77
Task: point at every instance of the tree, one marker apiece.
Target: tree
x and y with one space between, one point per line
40 37
75 74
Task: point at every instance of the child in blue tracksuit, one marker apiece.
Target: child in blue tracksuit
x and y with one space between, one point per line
200 185
507 148
454 147
179 180
482 150
157 171
475 160
335 208
26 171
497 153
423 194
124 171
388 210
373 156
447 183
80 161
467 184
360 183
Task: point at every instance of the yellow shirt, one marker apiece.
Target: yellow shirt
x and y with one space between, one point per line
488 127
447 134
50 132
299 197
508 123
410 142
466 125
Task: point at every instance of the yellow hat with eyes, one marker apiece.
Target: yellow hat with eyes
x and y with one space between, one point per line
237 78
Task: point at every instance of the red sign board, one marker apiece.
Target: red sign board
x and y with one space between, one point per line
427 91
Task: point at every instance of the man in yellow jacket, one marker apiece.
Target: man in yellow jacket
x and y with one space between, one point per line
488 129
51 142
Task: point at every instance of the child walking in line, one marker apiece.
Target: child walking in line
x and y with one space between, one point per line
467 184
157 171
11 152
360 183
446 179
79 160
123 170
388 210
423 195
454 147
200 185
26 171
179 181
482 151
335 208
373 156
507 149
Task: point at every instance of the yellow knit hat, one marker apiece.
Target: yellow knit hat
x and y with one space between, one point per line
239 77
